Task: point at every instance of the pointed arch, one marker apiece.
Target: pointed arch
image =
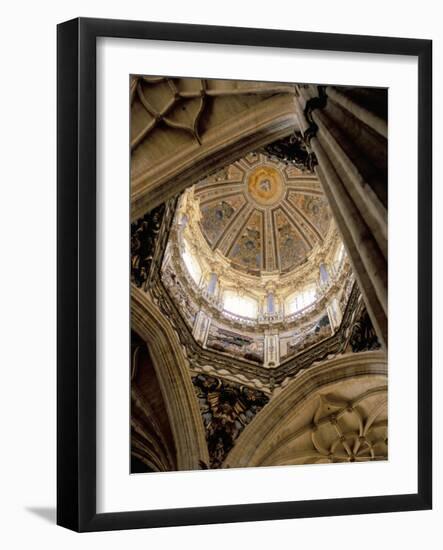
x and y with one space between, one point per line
174 379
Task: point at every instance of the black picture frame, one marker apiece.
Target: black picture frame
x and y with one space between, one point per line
76 265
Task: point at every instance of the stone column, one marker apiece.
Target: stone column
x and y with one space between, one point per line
272 350
350 148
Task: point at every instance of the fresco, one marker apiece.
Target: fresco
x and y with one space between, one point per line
305 338
239 345
293 249
181 296
265 186
254 213
216 216
315 208
247 250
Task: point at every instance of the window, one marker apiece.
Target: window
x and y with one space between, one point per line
299 301
324 275
271 303
191 264
240 305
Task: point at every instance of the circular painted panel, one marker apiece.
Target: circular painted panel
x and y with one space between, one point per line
265 185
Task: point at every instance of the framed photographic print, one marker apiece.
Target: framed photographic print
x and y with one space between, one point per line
231 343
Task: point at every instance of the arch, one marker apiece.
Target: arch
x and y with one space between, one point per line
346 394
174 379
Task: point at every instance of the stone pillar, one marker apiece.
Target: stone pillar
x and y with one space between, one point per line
201 327
346 132
272 350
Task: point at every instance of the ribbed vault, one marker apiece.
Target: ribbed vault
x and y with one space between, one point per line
334 412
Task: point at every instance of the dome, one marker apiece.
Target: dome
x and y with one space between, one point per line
255 263
262 215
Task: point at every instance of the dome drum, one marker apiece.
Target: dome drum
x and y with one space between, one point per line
256 261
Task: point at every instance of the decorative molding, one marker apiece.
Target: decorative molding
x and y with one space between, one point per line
363 336
293 150
241 370
320 246
147 440
151 184
313 103
149 235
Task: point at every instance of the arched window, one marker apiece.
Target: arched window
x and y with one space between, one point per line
191 264
300 300
245 306
324 275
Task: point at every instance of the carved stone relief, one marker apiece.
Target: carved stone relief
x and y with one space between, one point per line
226 410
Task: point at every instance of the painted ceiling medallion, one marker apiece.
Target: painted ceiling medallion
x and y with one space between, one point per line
265 186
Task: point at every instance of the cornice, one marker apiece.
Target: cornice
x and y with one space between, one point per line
242 370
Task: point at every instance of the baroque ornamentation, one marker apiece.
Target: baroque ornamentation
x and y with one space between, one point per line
293 150
265 185
262 216
363 336
144 234
148 240
184 105
226 410
244 371
179 110
180 300
316 102
242 346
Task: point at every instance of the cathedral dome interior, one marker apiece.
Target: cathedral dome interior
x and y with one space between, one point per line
258 274
254 253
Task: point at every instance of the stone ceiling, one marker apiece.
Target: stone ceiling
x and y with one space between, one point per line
263 215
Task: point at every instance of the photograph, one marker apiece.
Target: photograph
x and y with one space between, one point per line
228 325
258 274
